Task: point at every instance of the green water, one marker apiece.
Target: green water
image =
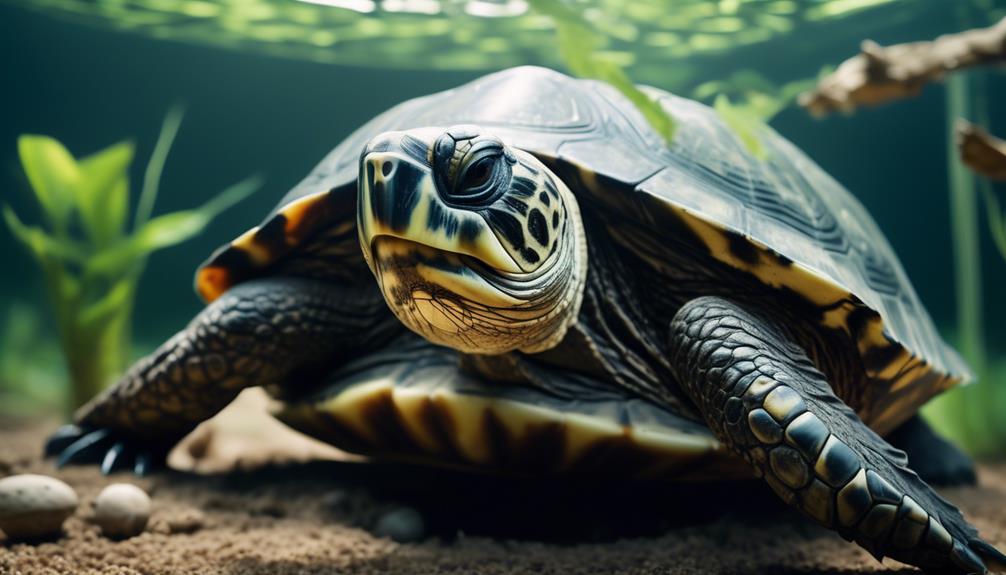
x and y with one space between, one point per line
250 110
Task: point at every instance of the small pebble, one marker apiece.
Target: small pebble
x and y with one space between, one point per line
33 506
404 525
122 510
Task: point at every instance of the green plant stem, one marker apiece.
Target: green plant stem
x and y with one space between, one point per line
152 175
967 408
964 224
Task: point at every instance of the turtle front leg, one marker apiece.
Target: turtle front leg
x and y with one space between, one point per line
765 399
279 331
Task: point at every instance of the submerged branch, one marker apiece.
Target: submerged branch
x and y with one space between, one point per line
981 151
882 74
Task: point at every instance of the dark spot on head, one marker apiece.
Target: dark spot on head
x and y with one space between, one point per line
551 189
530 255
370 171
544 199
441 218
741 248
386 168
555 220
516 205
538 227
523 187
469 230
508 225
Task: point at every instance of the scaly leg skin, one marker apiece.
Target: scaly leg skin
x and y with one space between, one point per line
766 400
276 331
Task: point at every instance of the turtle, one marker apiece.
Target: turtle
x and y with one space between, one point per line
520 276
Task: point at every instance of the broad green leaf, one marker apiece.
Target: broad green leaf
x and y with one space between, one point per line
103 192
53 174
167 230
743 123
41 244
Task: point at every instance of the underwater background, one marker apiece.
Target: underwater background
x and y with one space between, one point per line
274 98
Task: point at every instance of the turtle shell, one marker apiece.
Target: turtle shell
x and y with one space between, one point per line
782 220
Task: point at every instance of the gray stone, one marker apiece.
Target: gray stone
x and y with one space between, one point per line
34 506
122 510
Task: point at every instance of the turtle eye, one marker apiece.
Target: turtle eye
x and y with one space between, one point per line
478 174
483 175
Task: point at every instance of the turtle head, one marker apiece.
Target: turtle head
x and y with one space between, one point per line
475 244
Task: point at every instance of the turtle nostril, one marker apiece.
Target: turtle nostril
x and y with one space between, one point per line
387 168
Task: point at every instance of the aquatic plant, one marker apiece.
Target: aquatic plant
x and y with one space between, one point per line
32 378
90 255
746 100
662 42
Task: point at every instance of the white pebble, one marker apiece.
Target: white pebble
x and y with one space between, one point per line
122 510
34 506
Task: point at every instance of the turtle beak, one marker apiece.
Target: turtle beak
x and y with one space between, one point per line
398 198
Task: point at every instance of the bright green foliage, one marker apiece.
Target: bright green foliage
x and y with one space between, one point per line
91 258
746 101
580 48
659 40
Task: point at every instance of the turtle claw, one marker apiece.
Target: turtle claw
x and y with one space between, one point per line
74 445
62 438
88 448
115 458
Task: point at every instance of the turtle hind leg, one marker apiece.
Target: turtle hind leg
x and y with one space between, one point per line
276 331
764 398
936 460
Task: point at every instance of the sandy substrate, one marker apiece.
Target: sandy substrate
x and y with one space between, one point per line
318 517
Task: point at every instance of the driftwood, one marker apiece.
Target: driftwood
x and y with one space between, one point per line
980 151
882 74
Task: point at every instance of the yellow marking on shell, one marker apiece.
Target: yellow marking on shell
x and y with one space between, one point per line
303 216
248 243
212 282
900 372
411 404
486 247
838 317
796 276
297 214
347 406
467 414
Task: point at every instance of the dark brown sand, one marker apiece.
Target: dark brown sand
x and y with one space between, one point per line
315 518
